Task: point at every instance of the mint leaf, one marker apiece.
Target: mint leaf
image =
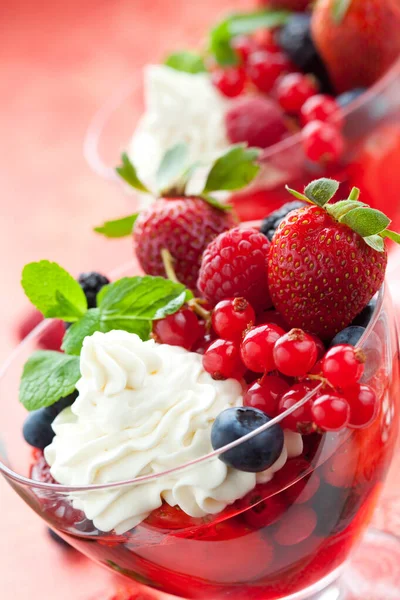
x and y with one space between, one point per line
392 235
339 10
366 221
216 203
118 228
321 190
132 302
376 242
233 170
128 173
339 209
241 24
297 195
186 61
75 335
53 291
47 377
172 166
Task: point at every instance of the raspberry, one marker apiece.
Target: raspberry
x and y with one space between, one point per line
255 120
229 81
92 283
184 227
231 317
234 265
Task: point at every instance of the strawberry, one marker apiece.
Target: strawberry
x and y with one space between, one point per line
172 234
327 260
358 40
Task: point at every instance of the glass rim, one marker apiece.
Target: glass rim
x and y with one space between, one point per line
103 115
56 487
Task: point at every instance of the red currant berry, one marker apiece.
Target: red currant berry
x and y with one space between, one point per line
295 353
301 419
330 413
321 108
264 68
298 524
232 317
244 46
363 405
257 348
222 360
265 513
320 346
180 329
230 81
322 142
293 90
343 365
266 393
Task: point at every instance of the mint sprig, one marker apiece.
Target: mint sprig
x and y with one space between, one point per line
129 174
53 291
118 228
186 61
221 35
172 166
47 377
371 224
233 170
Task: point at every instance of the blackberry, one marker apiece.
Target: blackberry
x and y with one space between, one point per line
296 40
92 283
270 223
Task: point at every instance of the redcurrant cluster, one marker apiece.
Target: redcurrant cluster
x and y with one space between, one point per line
263 65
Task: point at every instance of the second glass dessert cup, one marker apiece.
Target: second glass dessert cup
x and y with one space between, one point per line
287 539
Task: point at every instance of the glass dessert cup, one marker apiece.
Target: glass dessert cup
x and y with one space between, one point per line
371 160
286 539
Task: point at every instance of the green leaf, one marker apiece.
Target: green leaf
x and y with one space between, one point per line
128 173
241 24
354 194
133 302
216 203
118 228
186 61
321 190
339 10
73 339
53 291
366 221
376 242
297 195
339 209
47 377
392 235
233 170
172 166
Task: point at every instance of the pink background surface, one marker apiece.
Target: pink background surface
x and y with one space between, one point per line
59 61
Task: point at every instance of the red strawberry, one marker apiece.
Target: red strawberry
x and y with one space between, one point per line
50 338
183 226
321 272
28 323
234 265
359 47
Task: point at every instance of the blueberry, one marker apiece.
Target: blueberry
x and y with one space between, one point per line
59 406
92 283
256 454
54 536
364 317
351 335
348 97
37 429
296 40
270 223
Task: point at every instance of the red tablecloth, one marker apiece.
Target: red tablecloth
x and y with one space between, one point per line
59 61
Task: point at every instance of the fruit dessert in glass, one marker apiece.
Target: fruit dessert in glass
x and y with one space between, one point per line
314 85
198 440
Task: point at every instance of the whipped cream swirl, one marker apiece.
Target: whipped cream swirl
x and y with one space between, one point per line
144 408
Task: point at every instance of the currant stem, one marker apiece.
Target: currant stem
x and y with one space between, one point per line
195 304
321 379
168 263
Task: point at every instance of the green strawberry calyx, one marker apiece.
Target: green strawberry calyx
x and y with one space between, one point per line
232 171
371 224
